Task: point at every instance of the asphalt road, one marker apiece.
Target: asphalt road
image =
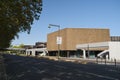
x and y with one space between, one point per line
28 68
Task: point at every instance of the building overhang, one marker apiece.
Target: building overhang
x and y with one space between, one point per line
93 46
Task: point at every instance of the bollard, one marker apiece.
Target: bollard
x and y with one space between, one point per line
105 61
115 62
97 60
101 60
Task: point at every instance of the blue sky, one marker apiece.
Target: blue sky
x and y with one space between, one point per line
73 14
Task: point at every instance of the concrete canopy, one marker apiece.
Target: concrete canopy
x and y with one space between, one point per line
93 46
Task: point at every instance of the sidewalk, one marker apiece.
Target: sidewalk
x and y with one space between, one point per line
84 61
69 59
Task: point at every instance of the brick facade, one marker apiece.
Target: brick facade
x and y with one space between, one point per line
73 36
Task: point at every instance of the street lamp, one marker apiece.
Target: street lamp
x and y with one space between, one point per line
58 38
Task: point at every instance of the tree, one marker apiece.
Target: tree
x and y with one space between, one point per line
19 46
17 16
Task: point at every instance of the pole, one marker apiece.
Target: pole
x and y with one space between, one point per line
58 37
88 52
115 62
58 43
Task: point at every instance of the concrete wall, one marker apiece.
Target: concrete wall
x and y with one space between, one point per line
114 49
73 36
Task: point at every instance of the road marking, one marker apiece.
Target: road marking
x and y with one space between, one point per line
60 66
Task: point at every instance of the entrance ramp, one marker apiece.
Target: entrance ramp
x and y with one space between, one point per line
103 53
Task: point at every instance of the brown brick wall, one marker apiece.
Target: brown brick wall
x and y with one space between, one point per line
73 36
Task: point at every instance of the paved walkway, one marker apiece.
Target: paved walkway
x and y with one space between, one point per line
85 61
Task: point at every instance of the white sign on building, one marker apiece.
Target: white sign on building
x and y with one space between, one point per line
59 40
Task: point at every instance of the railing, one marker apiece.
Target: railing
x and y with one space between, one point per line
113 62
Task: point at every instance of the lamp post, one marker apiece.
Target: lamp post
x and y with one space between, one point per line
88 52
58 38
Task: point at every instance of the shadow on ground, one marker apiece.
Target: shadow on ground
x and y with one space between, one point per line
28 68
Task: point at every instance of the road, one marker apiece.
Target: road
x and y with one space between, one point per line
2 69
28 68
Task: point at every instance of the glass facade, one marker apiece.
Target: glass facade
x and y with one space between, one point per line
115 38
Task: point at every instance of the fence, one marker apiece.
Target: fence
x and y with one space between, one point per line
113 62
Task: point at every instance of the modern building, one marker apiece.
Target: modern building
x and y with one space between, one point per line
109 50
39 49
70 37
40 45
36 52
37 45
115 38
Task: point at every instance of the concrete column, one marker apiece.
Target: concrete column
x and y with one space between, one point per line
84 53
48 53
68 54
56 54
26 53
33 52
